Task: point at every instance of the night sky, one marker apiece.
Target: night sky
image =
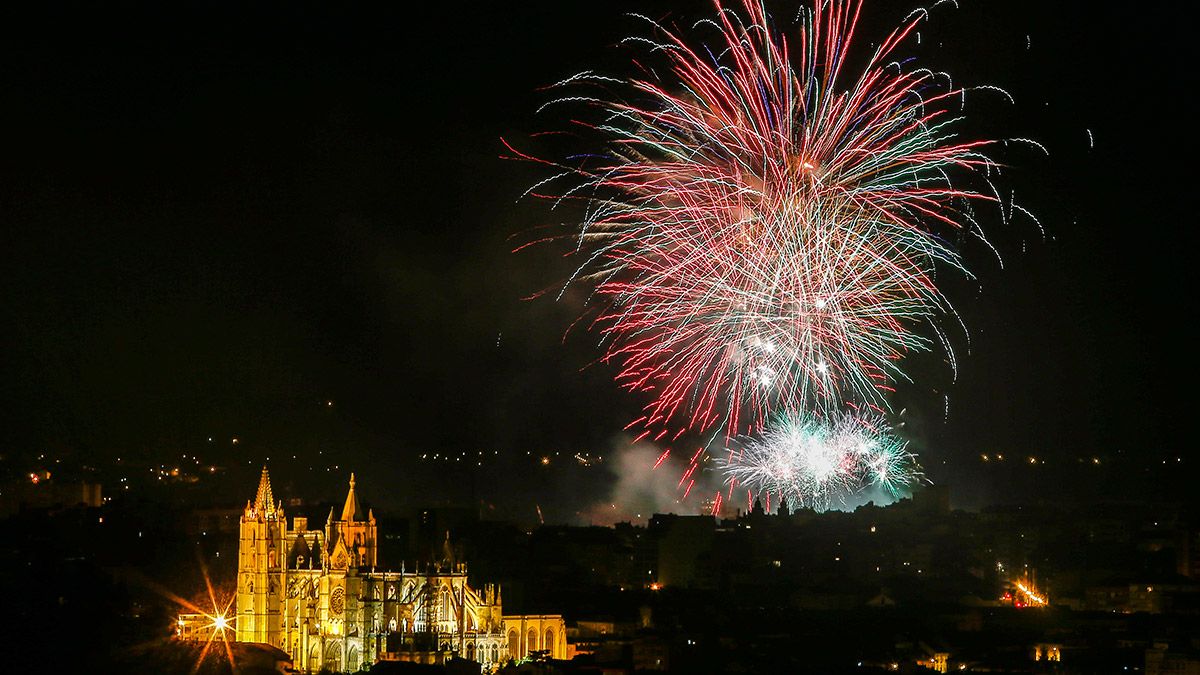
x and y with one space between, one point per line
219 219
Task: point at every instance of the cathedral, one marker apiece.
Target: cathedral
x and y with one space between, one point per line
317 594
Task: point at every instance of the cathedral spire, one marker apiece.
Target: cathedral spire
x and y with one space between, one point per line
264 501
352 510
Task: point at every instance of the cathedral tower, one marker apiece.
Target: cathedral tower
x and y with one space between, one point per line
260 568
352 538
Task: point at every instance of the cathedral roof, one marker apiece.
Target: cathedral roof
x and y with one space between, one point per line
352 510
299 548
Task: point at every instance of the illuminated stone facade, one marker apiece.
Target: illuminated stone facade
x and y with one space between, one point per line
317 595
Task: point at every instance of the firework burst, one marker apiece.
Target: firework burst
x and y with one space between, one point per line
765 224
818 463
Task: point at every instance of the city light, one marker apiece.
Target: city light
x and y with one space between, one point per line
1031 595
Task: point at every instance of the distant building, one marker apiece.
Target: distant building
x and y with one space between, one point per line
37 491
1161 659
1188 555
684 550
316 594
1047 652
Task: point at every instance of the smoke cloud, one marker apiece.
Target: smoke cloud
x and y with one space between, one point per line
640 490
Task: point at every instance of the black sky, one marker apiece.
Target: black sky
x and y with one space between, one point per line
217 217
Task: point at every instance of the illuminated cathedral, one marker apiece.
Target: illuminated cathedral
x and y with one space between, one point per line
317 595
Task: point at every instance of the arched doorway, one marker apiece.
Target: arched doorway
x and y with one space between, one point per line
352 663
333 657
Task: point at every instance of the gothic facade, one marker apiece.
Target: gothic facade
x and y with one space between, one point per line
317 594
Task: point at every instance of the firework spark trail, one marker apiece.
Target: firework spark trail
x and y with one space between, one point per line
818 463
764 224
